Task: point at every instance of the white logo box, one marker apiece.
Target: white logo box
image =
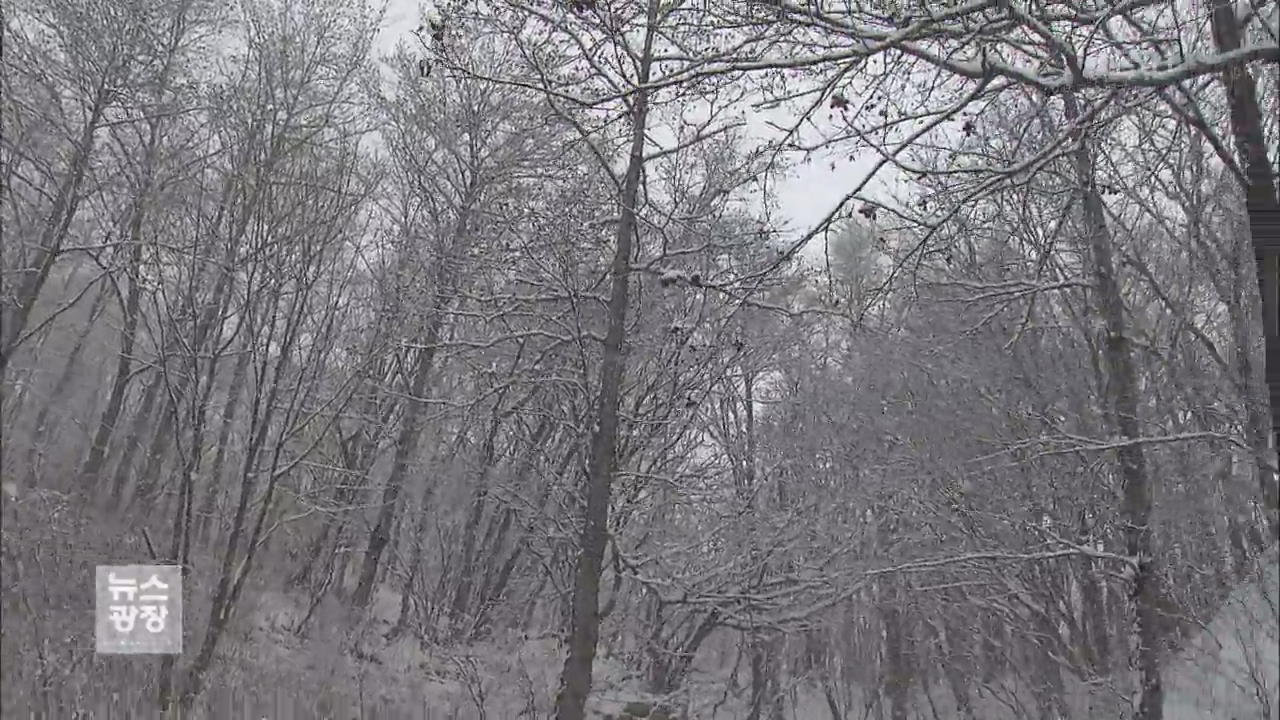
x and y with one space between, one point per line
138 609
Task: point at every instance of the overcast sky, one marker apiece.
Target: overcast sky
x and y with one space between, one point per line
804 196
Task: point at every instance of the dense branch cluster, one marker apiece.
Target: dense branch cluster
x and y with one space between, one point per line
502 335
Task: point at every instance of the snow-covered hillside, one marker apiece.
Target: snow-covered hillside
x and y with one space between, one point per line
1232 670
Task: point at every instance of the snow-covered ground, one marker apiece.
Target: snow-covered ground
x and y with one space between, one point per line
1232 670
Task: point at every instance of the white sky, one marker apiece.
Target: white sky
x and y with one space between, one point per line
804 195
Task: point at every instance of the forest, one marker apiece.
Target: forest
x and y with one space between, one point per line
504 359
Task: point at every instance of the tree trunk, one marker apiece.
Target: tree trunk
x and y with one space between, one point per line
409 589
953 637
123 473
1093 620
58 395
498 575
92 466
209 321
406 450
1122 387
358 453
209 505
1263 207
897 680
584 630
759 679
180 540
57 225
232 575
137 428
1047 681
479 500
